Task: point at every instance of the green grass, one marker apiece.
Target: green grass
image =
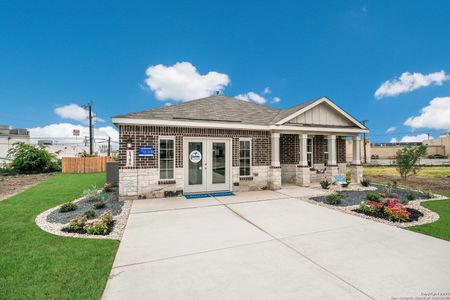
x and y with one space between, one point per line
38 265
426 172
440 228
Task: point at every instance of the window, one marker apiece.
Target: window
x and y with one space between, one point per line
166 158
309 151
245 154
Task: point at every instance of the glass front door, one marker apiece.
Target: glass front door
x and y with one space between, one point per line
207 165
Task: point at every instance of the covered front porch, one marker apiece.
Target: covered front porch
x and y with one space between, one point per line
305 159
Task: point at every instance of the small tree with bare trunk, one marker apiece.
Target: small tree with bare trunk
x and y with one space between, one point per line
407 160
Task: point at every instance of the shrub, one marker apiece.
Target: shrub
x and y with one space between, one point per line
348 179
107 218
333 199
410 196
396 211
373 197
325 184
32 159
90 214
366 209
76 225
69 206
376 206
100 204
98 228
365 182
407 160
91 193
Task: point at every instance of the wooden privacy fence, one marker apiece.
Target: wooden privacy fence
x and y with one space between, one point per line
92 164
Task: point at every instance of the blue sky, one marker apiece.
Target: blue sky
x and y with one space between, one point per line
57 53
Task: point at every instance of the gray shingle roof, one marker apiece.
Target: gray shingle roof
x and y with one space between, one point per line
219 109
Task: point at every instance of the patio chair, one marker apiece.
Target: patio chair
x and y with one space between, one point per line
341 180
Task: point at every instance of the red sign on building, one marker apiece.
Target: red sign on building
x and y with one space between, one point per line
76 132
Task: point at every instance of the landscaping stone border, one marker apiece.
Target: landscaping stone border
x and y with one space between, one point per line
56 228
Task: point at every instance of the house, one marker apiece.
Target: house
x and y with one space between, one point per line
224 144
9 137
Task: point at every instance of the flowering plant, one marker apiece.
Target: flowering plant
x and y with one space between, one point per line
396 211
377 206
383 195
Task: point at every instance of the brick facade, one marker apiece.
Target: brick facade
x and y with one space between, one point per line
289 149
142 136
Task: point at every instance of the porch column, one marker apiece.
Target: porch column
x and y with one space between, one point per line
332 168
302 173
275 149
274 175
356 167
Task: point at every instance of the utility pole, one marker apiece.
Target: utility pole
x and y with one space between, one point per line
364 139
88 106
109 146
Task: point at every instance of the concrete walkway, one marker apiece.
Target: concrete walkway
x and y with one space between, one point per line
270 245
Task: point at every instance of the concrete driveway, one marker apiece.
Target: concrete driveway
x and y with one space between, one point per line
270 245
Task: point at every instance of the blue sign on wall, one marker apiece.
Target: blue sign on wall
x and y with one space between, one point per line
146 151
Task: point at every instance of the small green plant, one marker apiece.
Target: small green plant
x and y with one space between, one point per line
90 214
373 197
390 186
98 228
100 204
76 225
333 199
410 196
366 209
92 193
365 182
107 218
325 184
428 195
348 179
69 206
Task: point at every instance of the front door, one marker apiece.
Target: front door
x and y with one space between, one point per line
207 165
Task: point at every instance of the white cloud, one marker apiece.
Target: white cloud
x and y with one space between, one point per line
75 112
411 138
63 132
252 97
408 82
267 90
182 82
391 129
434 116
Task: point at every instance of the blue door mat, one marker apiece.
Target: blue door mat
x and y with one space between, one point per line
204 195
194 196
222 194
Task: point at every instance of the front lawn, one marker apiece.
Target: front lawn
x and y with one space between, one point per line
37 265
440 228
425 172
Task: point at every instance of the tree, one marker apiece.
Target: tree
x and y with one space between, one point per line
32 159
407 160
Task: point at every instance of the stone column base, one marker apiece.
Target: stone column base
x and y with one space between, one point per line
274 180
303 176
332 171
357 173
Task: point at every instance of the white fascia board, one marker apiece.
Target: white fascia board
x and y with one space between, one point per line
321 100
195 124
324 130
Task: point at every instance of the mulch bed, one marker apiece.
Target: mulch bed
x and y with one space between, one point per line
112 204
350 198
414 214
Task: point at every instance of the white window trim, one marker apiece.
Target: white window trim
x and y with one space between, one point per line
312 151
251 157
174 155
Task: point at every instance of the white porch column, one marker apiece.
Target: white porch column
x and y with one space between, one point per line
302 173
357 169
275 149
332 160
303 141
356 150
274 178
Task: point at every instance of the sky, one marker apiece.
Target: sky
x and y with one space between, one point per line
387 62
